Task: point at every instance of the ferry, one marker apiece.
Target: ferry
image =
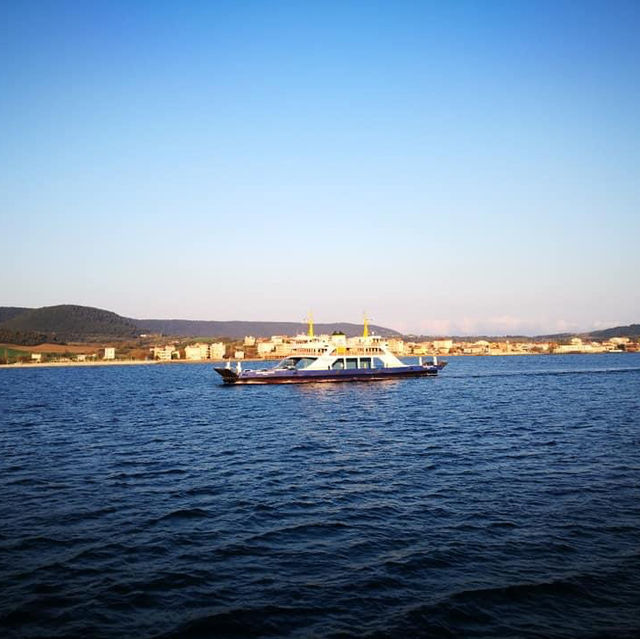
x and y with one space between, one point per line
333 359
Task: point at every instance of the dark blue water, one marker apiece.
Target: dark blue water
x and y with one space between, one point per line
501 499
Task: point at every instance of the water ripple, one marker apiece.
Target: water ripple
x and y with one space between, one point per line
498 500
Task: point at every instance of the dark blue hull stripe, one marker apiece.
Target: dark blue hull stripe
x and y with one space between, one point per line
304 377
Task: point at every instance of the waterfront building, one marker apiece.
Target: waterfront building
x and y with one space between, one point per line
265 349
481 347
442 345
282 349
109 353
576 345
196 351
217 350
165 353
397 346
421 348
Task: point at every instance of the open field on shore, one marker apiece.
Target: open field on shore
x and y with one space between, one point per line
55 348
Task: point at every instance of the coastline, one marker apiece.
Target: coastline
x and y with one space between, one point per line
151 362
123 362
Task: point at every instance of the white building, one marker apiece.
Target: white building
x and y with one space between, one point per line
265 349
442 345
196 351
165 353
481 347
217 350
238 355
283 349
578 346
249 340
109 353
397 346
422 348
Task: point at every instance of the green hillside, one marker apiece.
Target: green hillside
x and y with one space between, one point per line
633 330
9 312
73 323
238 329
69 322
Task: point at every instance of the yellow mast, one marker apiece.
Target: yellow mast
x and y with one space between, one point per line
310 320
365 330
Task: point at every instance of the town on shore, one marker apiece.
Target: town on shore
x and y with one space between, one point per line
151 348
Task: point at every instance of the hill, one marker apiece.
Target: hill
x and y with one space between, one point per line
68 322
9 312
72 323
633 330
238 329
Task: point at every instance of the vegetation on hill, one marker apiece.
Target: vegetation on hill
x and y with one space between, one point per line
25 338
8 312
72 323
633 330
69 322
238 329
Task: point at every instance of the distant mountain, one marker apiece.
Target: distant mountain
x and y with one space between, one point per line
633 330
72 323
238 329
68 323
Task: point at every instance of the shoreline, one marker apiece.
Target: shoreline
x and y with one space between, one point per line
123 362
173 362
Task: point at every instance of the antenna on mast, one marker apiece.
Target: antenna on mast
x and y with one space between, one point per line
365 329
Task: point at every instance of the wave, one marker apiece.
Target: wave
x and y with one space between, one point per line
270 620
184 513
538 373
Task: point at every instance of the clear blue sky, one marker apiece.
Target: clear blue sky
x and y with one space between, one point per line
449 167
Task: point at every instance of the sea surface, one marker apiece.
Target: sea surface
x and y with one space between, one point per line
501 499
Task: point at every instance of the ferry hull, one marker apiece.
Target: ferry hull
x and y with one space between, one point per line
230 377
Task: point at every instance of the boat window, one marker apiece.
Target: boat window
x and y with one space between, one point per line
338 364
303 362
378 363
365 362
352 362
